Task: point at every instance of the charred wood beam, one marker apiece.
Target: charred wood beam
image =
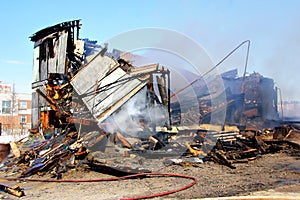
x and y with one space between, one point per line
220 157
56 28
120 137
169 98
115 171
52 103
161 84
16 190
82 121
283 142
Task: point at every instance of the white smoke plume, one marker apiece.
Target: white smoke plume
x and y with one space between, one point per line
136 117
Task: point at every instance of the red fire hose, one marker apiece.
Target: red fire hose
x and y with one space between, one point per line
118 179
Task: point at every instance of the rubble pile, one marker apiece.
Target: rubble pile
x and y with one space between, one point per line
255 143
66 151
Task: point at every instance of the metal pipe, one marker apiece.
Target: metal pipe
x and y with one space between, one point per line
228 55
246 63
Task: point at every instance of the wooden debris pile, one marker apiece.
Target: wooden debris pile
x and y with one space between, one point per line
69 150
37 156
254 143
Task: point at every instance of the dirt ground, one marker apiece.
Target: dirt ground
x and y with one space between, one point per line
267 175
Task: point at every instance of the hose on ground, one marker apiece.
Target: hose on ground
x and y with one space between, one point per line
144 175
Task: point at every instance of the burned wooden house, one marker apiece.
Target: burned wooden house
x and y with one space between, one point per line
77 81
252 98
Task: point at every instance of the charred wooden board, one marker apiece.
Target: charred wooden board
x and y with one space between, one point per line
16 190
115 171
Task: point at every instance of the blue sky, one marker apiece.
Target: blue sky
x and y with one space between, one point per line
218 26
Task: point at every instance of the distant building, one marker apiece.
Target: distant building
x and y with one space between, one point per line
290 110
15 111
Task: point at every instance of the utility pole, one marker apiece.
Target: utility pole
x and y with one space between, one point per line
13 108
281 106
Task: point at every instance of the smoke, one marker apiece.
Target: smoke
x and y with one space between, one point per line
137 116
274 48
283 65
184 58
